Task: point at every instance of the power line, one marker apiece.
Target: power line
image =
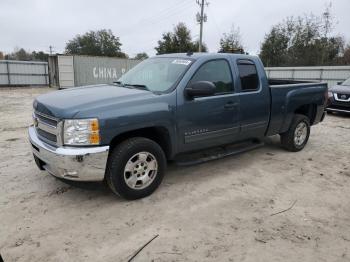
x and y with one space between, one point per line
219 30
166 12
162 15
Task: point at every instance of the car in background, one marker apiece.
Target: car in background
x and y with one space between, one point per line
339 98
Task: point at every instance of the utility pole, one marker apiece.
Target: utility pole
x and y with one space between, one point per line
201 18
51 49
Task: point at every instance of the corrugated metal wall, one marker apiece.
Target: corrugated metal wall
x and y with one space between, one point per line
328 74
23 73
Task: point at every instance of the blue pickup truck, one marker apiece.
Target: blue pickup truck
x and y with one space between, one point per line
165 107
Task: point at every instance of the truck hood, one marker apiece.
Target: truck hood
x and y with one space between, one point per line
67 103
340 89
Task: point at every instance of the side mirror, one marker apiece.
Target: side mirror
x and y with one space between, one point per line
339 83
200 88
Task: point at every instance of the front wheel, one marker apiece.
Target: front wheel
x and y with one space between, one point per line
135 168
297 135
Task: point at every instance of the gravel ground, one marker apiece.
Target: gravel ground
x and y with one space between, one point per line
217 211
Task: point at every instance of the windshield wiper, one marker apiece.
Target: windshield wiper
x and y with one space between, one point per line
119 83
143 87
138 86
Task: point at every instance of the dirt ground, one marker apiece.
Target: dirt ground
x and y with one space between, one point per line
217 211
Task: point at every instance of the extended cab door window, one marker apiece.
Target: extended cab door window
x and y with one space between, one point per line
254 101
218 72
248 75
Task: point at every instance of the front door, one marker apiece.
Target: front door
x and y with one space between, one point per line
210 121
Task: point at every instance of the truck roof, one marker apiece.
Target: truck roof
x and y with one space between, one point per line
207 55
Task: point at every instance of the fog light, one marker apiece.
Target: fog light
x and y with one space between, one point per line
70 173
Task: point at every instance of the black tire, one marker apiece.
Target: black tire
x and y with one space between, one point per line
120 156
287 138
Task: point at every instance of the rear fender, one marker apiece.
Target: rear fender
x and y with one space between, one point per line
306 101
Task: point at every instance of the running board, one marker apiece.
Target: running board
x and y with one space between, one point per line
216 153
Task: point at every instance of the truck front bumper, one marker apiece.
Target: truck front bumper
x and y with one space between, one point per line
72 163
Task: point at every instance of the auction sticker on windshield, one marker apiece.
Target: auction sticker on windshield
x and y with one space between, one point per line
181 62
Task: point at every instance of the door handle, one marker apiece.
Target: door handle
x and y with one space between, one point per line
230 105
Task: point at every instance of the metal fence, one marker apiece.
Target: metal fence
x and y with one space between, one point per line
329 74
23 73
68 71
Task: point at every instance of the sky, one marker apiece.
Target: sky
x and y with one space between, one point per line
37 24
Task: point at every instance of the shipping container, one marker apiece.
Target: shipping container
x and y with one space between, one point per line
68 71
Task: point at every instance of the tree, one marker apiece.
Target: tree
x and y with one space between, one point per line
346 56
141 56
2 57
196 47
231 42
302 41
178 41
274 48
19 54
40 56
96 43
22 54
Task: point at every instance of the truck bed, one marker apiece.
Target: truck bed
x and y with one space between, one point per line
288 97
273 82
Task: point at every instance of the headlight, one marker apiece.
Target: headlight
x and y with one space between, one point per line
81 132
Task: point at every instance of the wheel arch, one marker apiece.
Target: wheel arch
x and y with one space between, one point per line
308 110
158 134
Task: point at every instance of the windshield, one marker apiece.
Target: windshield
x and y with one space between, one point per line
157 74
346 82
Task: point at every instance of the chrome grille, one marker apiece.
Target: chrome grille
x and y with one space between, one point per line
47 128
47 135
46 119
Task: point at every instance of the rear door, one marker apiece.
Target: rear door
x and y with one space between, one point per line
254 99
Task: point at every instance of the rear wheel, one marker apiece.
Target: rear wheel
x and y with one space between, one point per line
297 135
135 168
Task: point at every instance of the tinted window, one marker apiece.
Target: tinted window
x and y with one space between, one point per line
218 72
248 75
